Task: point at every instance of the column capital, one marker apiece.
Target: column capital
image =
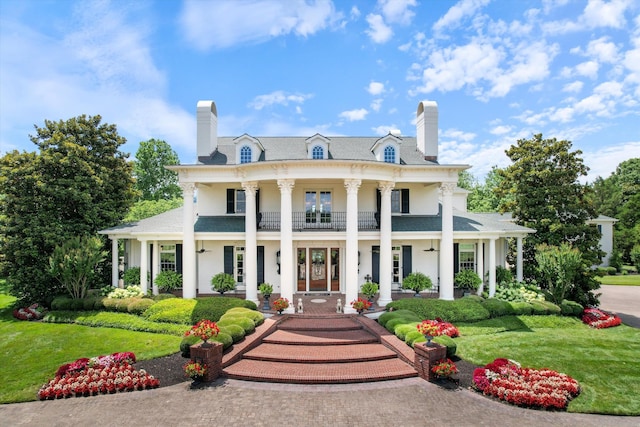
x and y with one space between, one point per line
447 188
286 185
250 187
385 187
352 185
187 187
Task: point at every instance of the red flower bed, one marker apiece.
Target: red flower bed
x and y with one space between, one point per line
526 387
33 312
599 319
103 374
437 327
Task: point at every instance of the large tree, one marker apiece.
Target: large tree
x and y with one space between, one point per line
153 180
482 197
542 191
76 184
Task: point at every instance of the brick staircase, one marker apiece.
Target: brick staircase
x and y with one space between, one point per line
322 350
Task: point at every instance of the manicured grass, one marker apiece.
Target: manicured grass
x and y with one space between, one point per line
31 352
604 361
620 280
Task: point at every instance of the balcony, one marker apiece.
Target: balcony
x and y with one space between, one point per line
317 221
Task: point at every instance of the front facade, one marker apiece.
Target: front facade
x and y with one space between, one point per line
319 214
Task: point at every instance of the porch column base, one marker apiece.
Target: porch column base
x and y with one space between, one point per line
383 302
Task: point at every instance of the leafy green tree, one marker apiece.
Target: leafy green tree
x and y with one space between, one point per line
76 184
153 180
483 196
542 191
73 263
147 208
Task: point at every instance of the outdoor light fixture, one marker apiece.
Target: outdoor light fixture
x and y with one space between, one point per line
278 260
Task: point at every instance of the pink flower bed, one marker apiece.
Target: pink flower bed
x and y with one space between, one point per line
33 312
533 388
599 319
103 374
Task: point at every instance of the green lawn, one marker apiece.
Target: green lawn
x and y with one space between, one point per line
621 280
31 352
604 361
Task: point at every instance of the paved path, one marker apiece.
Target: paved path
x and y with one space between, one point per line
623 301
406 403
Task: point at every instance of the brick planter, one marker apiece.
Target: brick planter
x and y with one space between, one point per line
211 355
426 357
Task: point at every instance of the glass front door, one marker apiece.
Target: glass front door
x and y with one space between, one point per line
318 269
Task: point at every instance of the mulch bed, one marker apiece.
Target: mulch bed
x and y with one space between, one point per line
169 370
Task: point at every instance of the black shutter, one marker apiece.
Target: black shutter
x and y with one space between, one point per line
228 260
405 200
179 258
375 264
150 264
406 261
456 258
231 203
260 265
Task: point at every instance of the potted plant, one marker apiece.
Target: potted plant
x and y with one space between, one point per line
417 282
467 279
266 290
204 329
369 290
223 282
195 370
280 305
168 281
430 329
360 305
444 368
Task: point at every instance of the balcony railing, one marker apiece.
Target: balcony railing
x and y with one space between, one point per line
307 221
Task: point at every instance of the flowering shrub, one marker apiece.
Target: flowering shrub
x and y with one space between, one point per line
128 292
280 304
360 304
33 312
195 369
599 319
102 374
437 327
204 330
508 381
517 291
444 368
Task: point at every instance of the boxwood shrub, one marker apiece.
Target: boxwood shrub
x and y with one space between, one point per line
571 308
61 303
225 339
385 317
447 341
105 319
256 316
244 322
213 308
462 310
411 337
497 307
521 307
173 310
236 332
140 305
539 308
186 343
402 330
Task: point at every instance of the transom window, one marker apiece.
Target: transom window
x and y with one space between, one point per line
167 257
467 256
389 154
245 154
317 153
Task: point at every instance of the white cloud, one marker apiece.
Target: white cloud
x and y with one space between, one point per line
354 115
575 86
588 69
500 130
378 31
596 14
603 50
383 129
355 13
458 135
224 23
278 98
397 11
376 104
457 13
604 160
375 88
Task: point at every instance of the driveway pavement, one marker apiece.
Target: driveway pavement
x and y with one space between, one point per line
623 301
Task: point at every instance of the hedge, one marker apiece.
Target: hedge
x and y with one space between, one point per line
464 309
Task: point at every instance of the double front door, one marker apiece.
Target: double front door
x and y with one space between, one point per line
318 269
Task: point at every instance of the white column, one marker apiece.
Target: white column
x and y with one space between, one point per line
251 242
351 276
144 259
385 243
480 265
446 242
114 262
155 257
189 288
492 267
519 276
286 243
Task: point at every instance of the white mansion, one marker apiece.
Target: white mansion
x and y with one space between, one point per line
318 214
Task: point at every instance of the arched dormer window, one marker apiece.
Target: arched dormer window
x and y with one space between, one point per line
389 154
318 153
245 154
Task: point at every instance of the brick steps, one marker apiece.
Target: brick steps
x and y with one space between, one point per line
321 350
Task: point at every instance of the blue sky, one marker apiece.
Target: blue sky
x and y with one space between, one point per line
499 71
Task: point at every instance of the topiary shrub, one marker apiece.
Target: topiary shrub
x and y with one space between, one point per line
497 307
186 343
246 323
521 307
391 324
110 304
551 308
173 310
411 337
461 310
571 308
61 303
213 308
223 338
474 297
255 316
449 342
403 329
539 308
88 303
386 316
123 304
161 297
236 332
223 282
140 305
417 282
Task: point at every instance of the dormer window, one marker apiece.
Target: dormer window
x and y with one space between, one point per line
317 153
317 147
248 149
389 154
245 154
